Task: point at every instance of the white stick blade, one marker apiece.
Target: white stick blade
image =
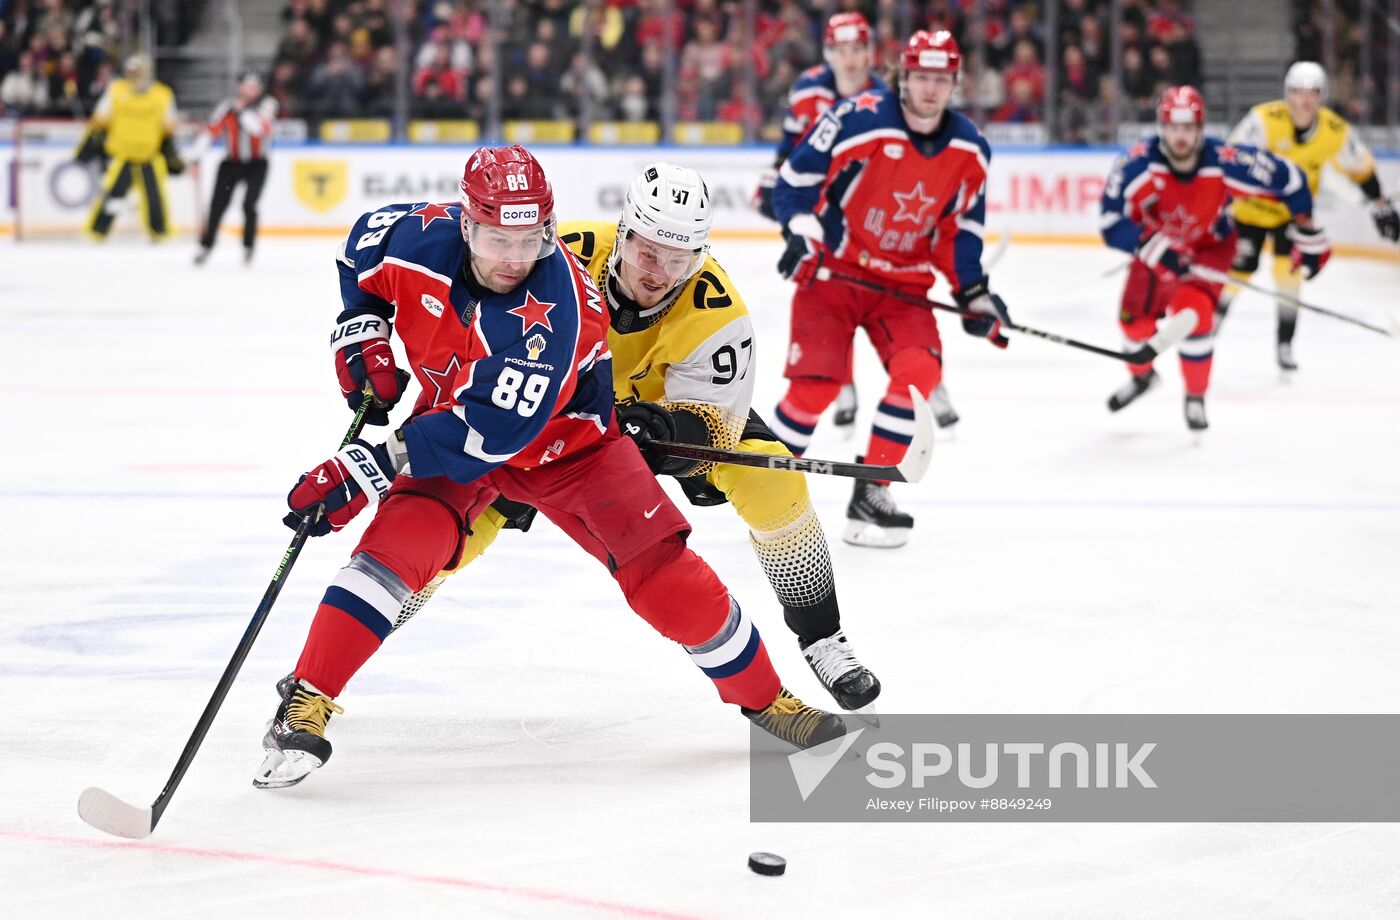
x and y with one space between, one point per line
108 813
920 452
1177 327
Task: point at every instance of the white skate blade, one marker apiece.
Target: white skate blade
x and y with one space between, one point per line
863 533
867 714
110 814
281 769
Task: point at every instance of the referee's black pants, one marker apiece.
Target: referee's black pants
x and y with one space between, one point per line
253 173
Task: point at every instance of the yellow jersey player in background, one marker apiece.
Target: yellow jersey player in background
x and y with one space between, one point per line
682 350
1300 129
133 126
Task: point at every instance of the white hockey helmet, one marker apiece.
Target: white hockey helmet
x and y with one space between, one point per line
1306 75
665 223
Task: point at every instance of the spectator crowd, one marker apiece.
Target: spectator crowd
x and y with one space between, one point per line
633 60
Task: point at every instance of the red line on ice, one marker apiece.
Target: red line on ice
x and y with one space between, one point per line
530 894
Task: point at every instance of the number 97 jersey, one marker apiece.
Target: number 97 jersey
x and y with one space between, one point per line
697 345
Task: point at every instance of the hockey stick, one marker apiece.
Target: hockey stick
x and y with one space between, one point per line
105 811
910 469
1176 327
989 262
1210 274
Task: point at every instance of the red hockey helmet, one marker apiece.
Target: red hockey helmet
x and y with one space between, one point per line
505 189
844 28
931 52
1181 105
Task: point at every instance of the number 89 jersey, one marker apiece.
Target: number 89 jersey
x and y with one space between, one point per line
521 378
699 348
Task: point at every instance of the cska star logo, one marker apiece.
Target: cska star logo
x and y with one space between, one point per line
431 212
533 313
442 379
913 204
867 102
1181 225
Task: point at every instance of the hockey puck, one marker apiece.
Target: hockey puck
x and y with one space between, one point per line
767 863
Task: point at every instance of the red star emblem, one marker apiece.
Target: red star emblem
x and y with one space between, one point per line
913 204
533 313
442 380
867 102
431 212
1229 155
1180 225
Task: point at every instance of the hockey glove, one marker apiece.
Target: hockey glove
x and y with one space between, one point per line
992 310
803 255
363 356
644 422
1163 257
92 148
1387 221
763 195
173 163
342 486
519 516
1310 249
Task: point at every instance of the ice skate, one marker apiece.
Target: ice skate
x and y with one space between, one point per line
789 719
851 684
872 518
1135 387
1285 358
1196 413
296 739
845 415
943 412
203 255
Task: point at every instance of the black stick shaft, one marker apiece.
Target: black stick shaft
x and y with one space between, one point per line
959 311
779 462
245 644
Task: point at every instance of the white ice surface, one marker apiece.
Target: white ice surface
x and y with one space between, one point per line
528 747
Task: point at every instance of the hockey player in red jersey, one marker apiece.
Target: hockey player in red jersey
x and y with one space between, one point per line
887 187
506 333
1166 202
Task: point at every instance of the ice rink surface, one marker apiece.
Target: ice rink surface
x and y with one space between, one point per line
528 747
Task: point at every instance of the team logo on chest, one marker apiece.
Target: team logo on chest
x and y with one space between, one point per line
913 204
868 102
533 313
431 212
442 379
1180 224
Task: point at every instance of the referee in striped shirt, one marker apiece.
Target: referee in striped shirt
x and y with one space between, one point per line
245 124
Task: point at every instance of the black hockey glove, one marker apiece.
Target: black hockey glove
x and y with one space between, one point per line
519 516
992 310
644 422
1387 221
174 164
800 260
763 195
91 149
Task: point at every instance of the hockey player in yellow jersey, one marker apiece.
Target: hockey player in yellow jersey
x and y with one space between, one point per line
132 126
682 348
1302 130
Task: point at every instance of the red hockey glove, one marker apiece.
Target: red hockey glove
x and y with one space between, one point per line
363 355
1164 258
358 475
1310 249
993 313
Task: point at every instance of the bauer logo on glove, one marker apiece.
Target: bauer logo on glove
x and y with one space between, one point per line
357 476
